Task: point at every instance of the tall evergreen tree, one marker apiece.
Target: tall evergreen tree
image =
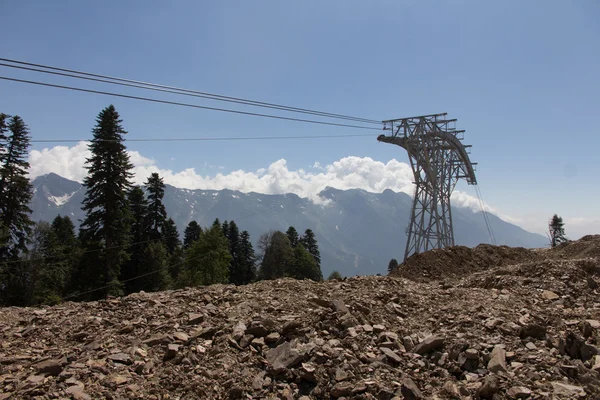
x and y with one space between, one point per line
15 223
50 265
310 243
157 213
139 234
292 235
191 234
216 223
67 250
106 223
153 268
236 266
171 237
15 189
556 231
393 264
247 258
226 229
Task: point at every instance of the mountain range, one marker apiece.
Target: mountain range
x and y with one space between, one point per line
358 232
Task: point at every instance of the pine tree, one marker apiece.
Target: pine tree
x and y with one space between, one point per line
106 223
15 189
139 233
154 275
207 261
278 257
50 270
171 237
393 264
191 234
157 213
225 228
247 259
68 252
310 243
15 223
292 235
236 266
556 231
216 223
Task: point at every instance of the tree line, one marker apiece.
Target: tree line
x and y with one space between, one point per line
126 241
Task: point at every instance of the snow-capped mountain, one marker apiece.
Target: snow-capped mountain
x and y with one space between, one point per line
358 232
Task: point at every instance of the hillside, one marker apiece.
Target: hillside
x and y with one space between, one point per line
358 232
514 323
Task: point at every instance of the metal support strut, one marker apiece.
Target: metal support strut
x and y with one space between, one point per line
438 160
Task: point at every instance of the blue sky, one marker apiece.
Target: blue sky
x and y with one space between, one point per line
522 78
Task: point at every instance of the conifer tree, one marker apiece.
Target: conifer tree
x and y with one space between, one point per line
393 264
556 231
15 223
191 234
67 251
154 275
50 271
139 234
171 237
157 213
310 243
15 189
247 258
236 266
106 222
292 235
226 229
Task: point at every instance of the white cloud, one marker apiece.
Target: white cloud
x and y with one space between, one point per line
347 173
277 178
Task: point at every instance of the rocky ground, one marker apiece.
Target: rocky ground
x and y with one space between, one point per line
491 322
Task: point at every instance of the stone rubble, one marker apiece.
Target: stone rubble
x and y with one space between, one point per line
488 332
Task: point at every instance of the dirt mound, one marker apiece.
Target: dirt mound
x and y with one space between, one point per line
587 246
458 261
360 338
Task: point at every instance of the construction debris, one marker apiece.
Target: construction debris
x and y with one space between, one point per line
490 331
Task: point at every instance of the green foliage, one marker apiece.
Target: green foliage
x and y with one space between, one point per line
139 228
292 235
15 189
310 243
247 259
556 231
153 271
106 223
15 223
392 265
207 261
157 213
278 257
175 264
335 275
171 237
191 234
304 266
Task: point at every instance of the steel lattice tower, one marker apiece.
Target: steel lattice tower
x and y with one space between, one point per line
438 160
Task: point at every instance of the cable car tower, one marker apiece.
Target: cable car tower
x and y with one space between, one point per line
438 159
